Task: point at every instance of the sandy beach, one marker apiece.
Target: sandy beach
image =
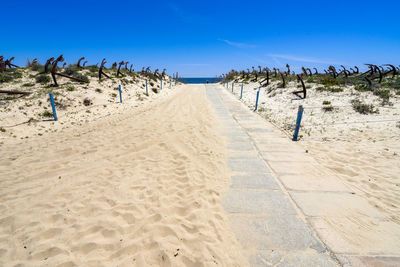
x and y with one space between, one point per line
139 188
200 134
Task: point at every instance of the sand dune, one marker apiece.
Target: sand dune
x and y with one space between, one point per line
140 188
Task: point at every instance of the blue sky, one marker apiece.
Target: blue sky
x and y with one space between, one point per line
204 38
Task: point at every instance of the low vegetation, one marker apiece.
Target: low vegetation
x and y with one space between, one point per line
363 108
47 113
42 78
329 89
384 95
10 75
87 102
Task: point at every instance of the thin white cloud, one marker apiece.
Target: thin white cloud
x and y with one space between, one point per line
301 59
238 45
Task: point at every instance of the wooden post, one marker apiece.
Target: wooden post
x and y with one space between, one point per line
53 106
232 86
147 91
298 122
241 92
120 94
258 94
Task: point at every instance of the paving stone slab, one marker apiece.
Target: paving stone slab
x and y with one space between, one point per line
333 204
241 146
249 165
258 202
273 232
289 259
255 181
241 155
369 261
348 235
313 182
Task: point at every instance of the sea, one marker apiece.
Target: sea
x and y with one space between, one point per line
199 80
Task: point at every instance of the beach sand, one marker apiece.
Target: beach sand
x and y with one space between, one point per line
138 188
76 103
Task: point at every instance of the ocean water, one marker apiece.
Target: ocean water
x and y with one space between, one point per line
199 80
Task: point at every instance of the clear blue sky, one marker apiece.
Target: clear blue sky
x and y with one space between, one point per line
204 38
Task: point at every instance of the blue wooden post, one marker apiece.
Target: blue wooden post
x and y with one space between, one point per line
53 106
298 122
161 83
120 94
241 92
170 82
147 91
232 87
258 94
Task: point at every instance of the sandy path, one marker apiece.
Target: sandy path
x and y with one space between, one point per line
142 188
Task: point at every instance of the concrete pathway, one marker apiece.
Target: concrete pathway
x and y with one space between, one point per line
269 226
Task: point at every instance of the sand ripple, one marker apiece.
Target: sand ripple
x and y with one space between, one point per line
141 188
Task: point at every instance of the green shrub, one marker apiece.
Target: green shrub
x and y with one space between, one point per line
363 108
47 113
17 74
9 75
36 67
71 70
328 108
2 129
362 88
396 84
335 89
42 78
280 85
28 84
326 102
93 74
82 77
310 80
93 68
5 77
384 94
98 90
71 88
330 81
386 84
329 89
